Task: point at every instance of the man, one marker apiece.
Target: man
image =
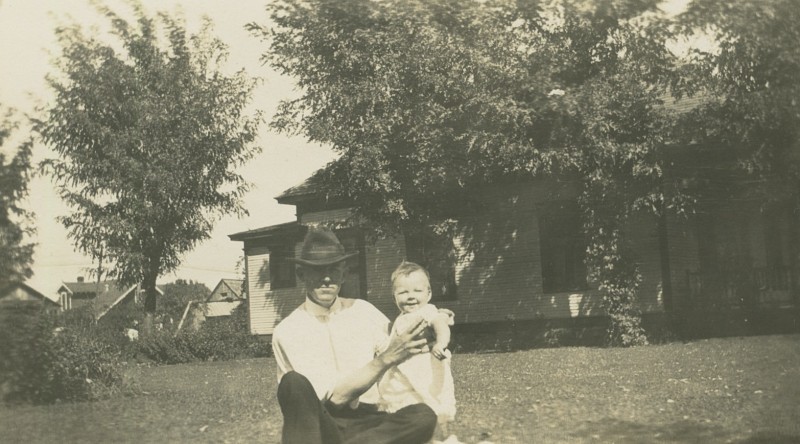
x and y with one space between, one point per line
331 350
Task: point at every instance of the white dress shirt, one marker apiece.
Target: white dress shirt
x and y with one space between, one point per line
325 345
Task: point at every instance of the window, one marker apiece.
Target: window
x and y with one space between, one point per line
281 271
354 285
437 254
563 248
66 301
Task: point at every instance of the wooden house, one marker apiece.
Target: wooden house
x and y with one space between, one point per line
20 291
226 296
517 257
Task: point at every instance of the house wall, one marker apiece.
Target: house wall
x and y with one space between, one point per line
267 306
499 269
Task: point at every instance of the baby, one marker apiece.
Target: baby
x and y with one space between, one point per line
425 377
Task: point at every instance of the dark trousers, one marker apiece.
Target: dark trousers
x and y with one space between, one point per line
307 420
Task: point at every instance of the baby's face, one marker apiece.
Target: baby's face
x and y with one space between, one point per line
411 292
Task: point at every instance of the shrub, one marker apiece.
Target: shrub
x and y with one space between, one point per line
216 340
42 364
165 348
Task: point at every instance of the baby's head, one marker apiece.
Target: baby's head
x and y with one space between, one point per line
411 287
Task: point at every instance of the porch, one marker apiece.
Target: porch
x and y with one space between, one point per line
756 287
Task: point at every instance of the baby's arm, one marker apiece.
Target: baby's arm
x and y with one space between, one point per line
441 327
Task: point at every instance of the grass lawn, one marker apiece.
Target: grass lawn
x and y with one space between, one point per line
742 390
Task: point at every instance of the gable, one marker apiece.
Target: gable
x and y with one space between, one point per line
227 289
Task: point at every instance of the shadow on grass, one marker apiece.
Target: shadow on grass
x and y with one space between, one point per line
770 438
681 432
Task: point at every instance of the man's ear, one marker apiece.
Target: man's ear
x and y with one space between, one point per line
299 272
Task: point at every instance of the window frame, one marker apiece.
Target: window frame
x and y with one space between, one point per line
555 218
279 256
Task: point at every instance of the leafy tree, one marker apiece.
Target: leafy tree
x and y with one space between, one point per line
427 101
149 132
16 254
748 79
179 293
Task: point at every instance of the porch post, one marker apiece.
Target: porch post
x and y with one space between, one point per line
666 272
793 252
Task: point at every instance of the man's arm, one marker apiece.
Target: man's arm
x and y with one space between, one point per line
281 361
401 347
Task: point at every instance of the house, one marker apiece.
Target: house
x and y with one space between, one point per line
101 297
20 291
517 257
227 290
226 296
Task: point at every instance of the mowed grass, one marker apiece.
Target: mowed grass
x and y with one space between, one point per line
741 390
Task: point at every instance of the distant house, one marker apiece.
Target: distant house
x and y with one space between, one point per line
227 290
227 295
102 297
20 291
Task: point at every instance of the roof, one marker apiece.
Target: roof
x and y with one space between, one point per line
30 291
104 295
220 308
271 231
308 187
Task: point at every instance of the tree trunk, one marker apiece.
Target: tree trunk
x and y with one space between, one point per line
149 304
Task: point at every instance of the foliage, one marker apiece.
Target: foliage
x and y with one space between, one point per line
178 294
748 75
149 131
44 365
429 100
216 340
15 253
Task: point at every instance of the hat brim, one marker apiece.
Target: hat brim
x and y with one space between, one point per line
321 262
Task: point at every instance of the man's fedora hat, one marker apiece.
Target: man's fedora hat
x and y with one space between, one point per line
320 248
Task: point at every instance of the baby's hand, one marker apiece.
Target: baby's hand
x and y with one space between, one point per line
440 351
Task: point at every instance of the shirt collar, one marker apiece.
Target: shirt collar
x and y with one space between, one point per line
318 310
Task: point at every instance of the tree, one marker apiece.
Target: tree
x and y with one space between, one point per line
748 78
178 294
149 132
427 101
16 253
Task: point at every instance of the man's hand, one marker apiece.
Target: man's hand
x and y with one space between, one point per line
403 345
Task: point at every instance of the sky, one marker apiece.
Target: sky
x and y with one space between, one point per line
27 46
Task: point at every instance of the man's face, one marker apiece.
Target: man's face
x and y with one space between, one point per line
412 291
322 283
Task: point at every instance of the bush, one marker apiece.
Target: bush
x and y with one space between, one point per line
216 340
165 348
42 364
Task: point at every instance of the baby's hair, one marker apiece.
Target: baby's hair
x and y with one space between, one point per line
406 268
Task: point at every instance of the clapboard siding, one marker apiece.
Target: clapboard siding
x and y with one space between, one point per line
267 306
